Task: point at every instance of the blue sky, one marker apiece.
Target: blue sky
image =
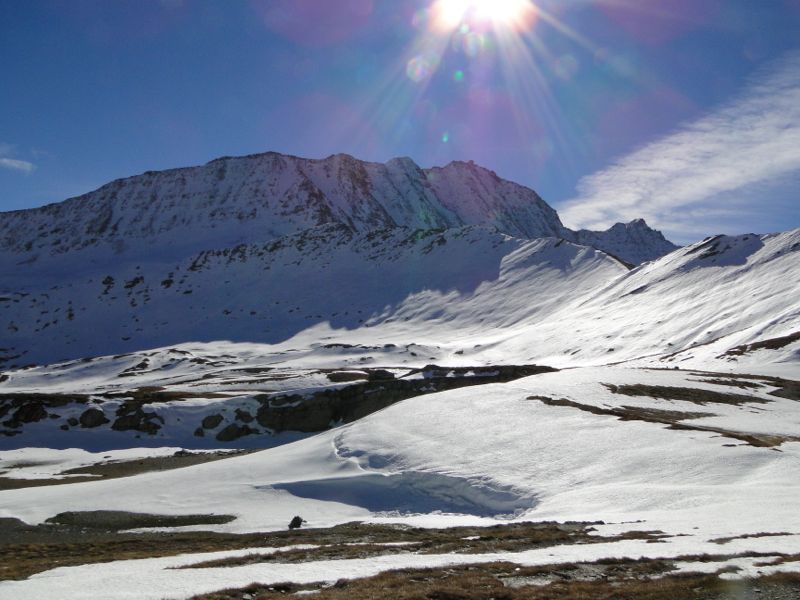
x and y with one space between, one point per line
684 112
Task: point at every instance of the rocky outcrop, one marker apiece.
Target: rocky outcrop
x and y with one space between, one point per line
131 416
93 417
356 394
26 408
211 421
325 409
234 432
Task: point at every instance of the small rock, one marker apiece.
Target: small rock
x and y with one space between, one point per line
380 374
93 417
234 432
244 416
30 413
211 421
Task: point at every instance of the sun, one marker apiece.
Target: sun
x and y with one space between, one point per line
514 14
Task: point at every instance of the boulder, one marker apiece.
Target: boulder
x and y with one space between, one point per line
93 417
211 421
234 432
345 376
244 416
30 413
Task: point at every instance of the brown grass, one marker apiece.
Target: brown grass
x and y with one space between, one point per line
114 470
725 540
635 580
693 395
672 418
737 383
115 520
26 549
770 344
513 537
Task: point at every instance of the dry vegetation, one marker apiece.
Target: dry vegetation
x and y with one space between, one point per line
693 395
604 580
770 344
123 468
672 418
27 549
513 537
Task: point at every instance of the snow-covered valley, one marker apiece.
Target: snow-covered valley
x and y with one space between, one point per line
430 348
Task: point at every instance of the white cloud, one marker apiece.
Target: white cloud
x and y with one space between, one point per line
17 165
705 177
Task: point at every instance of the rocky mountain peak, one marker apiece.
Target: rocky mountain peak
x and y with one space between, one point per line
259 197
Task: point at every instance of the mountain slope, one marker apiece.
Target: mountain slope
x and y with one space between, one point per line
346 252
257 198
634 242
457 280
688 308
460 296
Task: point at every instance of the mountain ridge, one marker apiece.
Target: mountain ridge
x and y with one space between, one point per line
273 250
254 198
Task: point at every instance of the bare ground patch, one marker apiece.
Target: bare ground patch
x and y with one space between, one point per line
29 549
770 344
603 580
513 537
673 419
116 520
126 468
725 540
694 395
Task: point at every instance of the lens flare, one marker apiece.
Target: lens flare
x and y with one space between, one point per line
421 68
514 14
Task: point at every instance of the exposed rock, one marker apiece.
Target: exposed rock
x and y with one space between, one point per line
30 413
344 376
130 416
244 416
379 374
93 417
211 421
322 409
234 432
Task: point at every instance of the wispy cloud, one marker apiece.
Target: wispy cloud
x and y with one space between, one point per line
711 174
17 165
8 162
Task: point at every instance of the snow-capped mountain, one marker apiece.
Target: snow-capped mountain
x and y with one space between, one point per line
633 242
277 250
390 337
257 198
